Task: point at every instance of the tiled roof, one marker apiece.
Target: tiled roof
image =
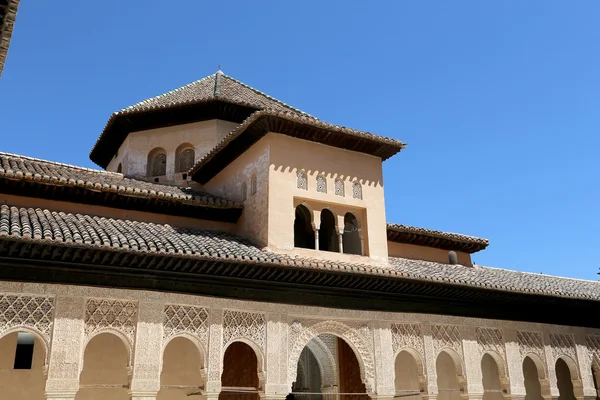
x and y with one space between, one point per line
21 168
42 225
262 122
8 14
215 86
432 238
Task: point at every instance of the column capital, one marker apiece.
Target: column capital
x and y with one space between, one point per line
142 395
61 395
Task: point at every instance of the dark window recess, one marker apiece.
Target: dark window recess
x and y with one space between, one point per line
24 352
155 179
184 176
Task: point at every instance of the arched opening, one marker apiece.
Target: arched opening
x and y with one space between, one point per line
304 235
157 162
490 371
564 382
533 388
105 373
328 238
308 377
447 377
22 359
328 369
120 168
239 380
407 376
181 373
184 157
351 237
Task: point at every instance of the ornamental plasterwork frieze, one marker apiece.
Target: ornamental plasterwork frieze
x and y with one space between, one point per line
490 339
186 319
531 343
119 316
593 344
23 311
446 336
302 331
562 345
407 335
244 325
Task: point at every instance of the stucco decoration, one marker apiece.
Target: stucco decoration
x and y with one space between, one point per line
244 325
339 187
593 344
562 345
324 348
491 341
407 336
186 319
356 190
115 316
446 336
303 331
531 343
302 180
27 312
321 184
186 159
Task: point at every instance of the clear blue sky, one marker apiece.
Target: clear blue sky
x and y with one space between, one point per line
498 101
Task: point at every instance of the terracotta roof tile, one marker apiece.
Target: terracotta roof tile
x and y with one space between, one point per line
429 237
82 230
17 167
8 14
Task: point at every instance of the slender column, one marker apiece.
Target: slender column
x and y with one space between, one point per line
215 354
472 357
341 241
145 382
384 360
316 239
67 349
514 365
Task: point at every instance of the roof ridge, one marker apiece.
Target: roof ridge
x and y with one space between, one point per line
2 153
166 93
265 94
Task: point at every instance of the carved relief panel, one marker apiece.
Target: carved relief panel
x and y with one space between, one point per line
34 312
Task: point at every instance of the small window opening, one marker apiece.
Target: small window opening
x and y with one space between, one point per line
321 184
356 190
24 352
156 180
304 235
302 181
452 257
351 237
328 238
184 176
120 168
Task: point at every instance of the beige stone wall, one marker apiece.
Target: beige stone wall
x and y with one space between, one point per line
254 163
414 252
26 384
290 155
133 153
448 352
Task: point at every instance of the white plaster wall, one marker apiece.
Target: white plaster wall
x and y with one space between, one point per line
133 153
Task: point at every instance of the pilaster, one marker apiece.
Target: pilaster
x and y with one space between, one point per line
384 359
514 364
215 353
276 354
584 359
430 356
147 361
472 356
550 369
66 350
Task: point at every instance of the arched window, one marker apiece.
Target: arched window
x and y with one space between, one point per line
304 235
184 158
253 185
328 238
356 190
339 187
120 168
157 162
244 191
321 184
351 237
301 180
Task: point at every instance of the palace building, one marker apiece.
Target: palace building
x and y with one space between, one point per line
235 247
